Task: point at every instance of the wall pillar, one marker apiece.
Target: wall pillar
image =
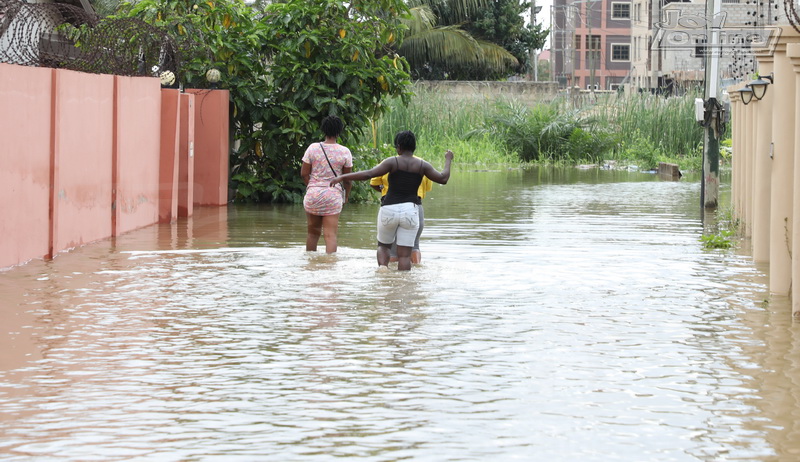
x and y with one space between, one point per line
793 53
743 167
738 130
169 160
212 146
762 183
186 167
781 197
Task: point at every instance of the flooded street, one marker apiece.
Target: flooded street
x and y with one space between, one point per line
557 315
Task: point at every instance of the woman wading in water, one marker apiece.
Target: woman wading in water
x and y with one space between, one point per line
398 217
323 204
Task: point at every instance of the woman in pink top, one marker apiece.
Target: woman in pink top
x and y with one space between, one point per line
323 203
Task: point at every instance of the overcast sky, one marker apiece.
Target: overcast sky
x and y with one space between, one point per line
544 16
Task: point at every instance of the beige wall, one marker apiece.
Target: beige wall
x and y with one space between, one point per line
530 92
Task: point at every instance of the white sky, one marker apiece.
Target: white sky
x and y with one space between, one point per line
543 17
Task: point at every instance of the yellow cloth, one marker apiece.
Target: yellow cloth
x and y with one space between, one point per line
424 187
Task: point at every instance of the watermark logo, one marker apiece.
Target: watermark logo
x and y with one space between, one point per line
693 32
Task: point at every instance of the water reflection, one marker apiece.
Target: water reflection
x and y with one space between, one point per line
557 315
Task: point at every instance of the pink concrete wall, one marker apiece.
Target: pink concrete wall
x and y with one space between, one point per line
84 157
25 118
212 147
82 180
170 148
136 153
187 148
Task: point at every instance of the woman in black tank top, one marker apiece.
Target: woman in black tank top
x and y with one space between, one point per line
405 175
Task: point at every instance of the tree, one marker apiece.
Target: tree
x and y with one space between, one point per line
438 49
501 22
286 66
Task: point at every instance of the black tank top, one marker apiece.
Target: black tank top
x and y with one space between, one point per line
403 186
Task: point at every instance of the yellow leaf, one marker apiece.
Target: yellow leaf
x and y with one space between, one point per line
159 16
259 150
342 33
226 21
181 30
391 37
355 56
211 4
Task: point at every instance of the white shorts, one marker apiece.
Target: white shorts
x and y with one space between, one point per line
398 221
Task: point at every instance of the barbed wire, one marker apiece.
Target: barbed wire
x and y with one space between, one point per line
63 36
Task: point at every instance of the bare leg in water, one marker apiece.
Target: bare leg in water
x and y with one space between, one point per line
316 225
403 258
384 254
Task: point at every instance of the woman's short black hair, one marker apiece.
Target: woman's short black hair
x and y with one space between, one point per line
332 126
405 141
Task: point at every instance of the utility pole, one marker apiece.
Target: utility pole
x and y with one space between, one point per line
709 192
534 55
591 45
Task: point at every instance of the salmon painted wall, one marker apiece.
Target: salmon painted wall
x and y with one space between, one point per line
137 153
170 144
85 157
211 146
25 118
82 158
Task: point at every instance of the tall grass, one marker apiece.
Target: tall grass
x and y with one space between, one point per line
639 128
667 122
443 122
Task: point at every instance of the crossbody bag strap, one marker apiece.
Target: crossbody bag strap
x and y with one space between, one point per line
332 169
329 161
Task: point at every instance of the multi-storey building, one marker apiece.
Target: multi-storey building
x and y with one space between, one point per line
653 45
591 42
668 39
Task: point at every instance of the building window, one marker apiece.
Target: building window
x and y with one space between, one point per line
620 52
592 42
577 41
620 10
592 59
699 48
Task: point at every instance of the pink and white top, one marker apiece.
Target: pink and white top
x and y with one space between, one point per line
321 174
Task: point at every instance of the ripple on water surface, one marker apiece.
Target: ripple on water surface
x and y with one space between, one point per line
577 321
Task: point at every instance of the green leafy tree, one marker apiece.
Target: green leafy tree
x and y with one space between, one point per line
287 66
447 51
501 23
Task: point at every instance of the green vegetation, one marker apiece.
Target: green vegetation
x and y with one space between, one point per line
287 65
728 227
719 240
469 39
639 130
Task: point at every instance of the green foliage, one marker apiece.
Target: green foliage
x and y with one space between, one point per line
548 132
639 149
438 47
720 240
728 226
287 66
502 23
442 122
487 131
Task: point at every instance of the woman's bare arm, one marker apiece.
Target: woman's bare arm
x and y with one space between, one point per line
436 176
379 170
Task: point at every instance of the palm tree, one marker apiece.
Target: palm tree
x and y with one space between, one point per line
448 51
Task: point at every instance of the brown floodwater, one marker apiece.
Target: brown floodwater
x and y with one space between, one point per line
558 314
